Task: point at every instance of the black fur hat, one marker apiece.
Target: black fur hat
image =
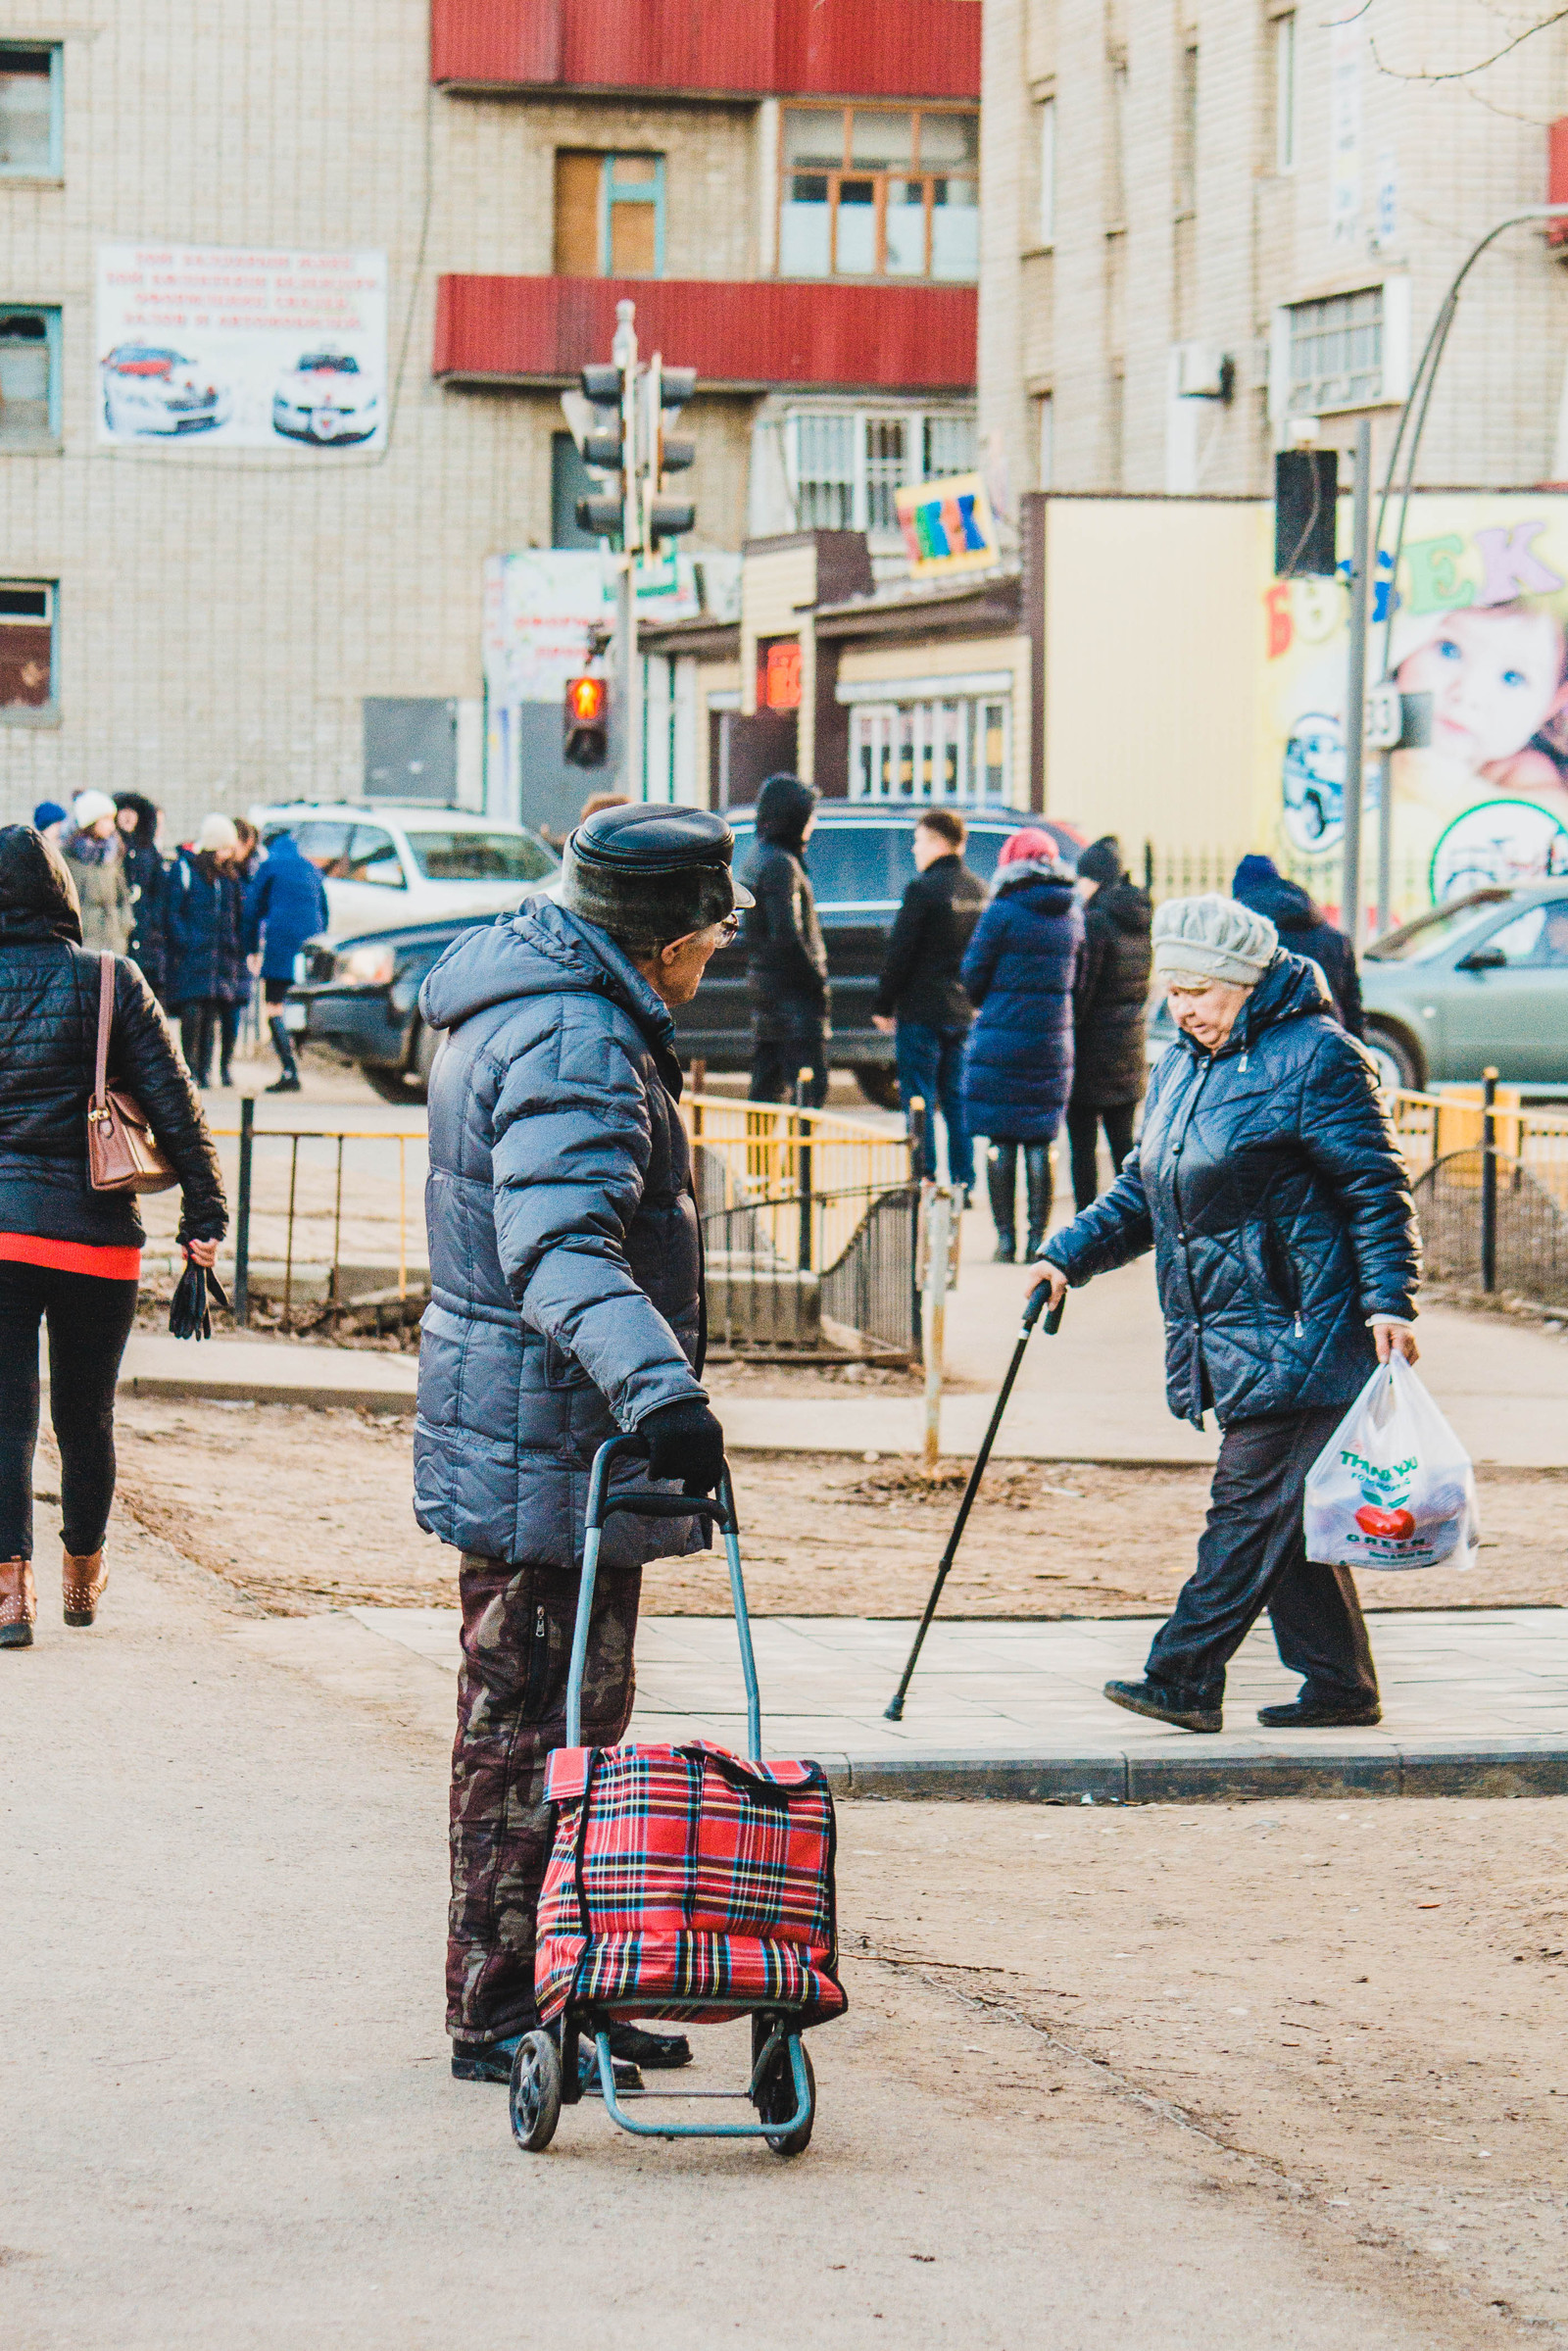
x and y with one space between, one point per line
648 875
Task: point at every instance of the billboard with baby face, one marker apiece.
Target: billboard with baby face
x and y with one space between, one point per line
1475 625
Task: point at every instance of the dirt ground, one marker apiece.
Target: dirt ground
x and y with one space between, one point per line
1365 2002
299 1510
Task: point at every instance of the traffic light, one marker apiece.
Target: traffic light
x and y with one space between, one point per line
605 451
587 714
669 389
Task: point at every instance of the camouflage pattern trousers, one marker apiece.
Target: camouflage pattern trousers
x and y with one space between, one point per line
512 1711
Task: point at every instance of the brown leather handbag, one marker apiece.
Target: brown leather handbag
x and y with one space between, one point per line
123 1153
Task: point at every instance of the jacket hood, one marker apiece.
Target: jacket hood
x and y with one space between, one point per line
783 807
37 896
1286 903
1130 908
145 812
1053 882
284 845
1291 989
542 950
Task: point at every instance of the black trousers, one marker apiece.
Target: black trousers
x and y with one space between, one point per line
1083 1141
197 1026
89 1321
1252 1555
777 1062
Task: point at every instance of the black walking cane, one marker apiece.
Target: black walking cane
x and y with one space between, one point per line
1031 1315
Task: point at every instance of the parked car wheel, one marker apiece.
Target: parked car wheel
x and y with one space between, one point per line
878 1082
1398 1064
392 1085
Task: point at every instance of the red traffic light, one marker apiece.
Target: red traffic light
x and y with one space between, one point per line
585 701
587 717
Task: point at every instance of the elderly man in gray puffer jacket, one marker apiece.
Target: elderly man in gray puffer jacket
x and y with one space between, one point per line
566 1304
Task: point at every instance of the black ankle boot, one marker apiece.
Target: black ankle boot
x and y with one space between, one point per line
1037 1183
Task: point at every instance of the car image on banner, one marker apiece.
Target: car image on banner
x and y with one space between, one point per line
325 398
152 388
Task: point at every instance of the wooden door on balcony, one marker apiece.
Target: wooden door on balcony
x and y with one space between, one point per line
579 177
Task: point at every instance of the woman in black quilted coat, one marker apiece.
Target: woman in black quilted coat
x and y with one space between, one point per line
69 1255
1268 1182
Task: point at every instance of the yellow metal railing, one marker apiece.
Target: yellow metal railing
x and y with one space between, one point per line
766 1156
1435 1126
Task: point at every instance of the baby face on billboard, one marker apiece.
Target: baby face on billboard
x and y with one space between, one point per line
1495 675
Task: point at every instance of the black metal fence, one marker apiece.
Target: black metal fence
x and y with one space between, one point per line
1494 1204
801 1270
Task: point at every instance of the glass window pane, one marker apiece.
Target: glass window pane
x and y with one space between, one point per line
325 841
26 112
861 864
480 856
955 230
26 662
815 139
856 228
884 139
374 857
887 468
906 228
949 446
24 361
804 229
949 141
824 471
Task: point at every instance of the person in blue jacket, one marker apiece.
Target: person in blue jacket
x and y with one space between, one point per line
1020 973
202 939
285 903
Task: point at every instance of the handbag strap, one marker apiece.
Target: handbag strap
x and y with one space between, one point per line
106 1014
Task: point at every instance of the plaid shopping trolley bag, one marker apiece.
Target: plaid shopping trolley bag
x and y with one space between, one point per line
682 1882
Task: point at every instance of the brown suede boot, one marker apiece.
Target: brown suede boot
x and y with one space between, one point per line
83 1581
18 1605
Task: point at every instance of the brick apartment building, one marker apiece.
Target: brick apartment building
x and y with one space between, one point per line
204 605
1204 219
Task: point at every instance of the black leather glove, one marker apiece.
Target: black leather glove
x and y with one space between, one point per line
684 1441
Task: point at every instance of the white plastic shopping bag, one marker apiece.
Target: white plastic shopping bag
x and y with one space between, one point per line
1393 1486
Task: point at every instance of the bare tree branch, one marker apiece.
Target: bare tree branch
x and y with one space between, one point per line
1545 23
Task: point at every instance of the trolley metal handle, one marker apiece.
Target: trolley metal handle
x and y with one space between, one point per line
646 1502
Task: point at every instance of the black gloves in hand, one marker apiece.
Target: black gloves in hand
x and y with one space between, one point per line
684 1441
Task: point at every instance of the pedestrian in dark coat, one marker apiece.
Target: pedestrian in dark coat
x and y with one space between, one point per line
239 868
1111 1062
921 998
1020 973
201 925
285 903
1269 1184
786 957
148 876
1305 930
566 1304
70 1256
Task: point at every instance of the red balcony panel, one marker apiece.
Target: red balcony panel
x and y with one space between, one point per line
1557 177
723 48
740 336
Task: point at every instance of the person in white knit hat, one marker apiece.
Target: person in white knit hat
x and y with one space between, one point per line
1268 1182
91 850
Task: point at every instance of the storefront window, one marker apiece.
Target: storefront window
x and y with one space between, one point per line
957 750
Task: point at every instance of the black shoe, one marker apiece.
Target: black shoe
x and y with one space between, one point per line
627 2074
1319 1714
484 2060
659 2052
284 1085
1007 1253
1162 1705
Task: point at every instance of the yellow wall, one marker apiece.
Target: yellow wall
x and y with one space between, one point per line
1154 663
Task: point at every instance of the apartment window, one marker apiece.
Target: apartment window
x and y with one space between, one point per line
1187 134
1336 353
29 113
609 215
29 378
957 748
26 649
865 192
1046 440
1048 172
1285 93
844 465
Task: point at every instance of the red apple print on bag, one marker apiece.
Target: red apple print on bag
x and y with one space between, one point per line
1395 1526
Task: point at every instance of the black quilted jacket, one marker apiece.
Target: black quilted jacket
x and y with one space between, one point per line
1269 1185
48 1030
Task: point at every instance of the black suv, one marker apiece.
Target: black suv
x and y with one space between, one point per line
359 994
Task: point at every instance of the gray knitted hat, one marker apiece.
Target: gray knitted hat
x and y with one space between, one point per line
1212 938
648 875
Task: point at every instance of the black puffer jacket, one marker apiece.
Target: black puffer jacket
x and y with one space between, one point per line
786 958
929 939
1110 1064
148 877
48 1034
1268 1182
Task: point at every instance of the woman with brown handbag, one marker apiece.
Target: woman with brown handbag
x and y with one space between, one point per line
84 1126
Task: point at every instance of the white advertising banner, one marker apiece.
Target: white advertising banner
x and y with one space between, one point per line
241 347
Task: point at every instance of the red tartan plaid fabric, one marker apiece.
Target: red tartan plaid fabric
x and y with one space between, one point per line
686 1881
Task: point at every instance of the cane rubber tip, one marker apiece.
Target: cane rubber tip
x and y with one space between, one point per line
892 1713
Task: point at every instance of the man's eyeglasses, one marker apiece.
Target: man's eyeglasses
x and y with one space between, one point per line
728 929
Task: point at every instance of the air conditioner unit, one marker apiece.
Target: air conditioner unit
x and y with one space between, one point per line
1203 372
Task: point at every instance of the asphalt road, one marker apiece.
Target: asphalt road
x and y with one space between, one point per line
228 2118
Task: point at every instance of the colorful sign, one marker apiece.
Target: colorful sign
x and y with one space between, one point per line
215 346
1480 629
947 525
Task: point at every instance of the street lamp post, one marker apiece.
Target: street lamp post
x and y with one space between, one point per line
1412 423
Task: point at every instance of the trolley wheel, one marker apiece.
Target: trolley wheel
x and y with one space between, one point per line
775 2093
534 2098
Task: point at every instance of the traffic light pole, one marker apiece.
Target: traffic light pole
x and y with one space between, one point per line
630 670
1353 798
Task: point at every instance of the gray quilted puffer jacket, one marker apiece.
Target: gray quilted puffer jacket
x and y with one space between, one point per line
566 1255
1268 1181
